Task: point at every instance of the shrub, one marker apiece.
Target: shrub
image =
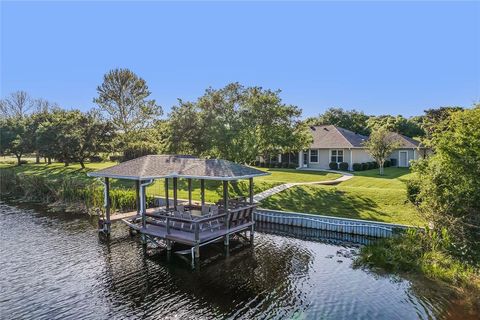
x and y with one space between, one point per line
292 165
23 161
387 163
116 158
285 165
413 190
365 166
96 159
262 164
333 165
357 167
371 165
343 166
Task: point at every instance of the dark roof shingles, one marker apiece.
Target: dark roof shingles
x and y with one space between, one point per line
330 136
178 166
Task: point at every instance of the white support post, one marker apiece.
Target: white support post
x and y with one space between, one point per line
351 160
142 205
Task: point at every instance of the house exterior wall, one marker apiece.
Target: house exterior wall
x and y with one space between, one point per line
411 155
360 156
324 158
353 156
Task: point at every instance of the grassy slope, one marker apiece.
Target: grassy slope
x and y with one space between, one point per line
213 188
292 175
366 196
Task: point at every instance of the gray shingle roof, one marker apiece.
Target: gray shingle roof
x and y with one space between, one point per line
329 136
406 142
171 166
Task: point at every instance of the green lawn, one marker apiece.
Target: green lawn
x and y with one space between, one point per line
213 188
293 175
366 196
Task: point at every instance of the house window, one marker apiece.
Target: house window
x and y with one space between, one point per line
313 155
336 156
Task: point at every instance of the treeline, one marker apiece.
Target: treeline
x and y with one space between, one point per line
236 122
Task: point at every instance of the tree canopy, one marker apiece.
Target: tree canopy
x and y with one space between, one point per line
123 97
380 145
237 123
17 105
448 181
352 120
411 127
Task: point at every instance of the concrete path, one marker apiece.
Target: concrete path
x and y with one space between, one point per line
270 192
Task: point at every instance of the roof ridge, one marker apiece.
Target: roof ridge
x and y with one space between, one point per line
343 136
144 165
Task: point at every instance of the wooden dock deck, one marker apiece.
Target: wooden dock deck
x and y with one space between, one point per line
194 231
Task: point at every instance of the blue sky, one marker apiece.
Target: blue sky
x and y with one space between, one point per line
397 58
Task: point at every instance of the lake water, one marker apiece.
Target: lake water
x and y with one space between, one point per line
55 266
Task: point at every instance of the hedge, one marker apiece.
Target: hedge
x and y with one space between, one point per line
333 165
343 166
357 167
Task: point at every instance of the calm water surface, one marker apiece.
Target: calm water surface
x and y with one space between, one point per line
55 266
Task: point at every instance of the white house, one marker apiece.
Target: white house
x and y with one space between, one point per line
334 144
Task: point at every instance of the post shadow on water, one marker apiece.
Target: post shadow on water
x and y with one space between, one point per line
138 278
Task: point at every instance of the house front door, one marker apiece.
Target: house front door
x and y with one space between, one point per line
403 161
305 159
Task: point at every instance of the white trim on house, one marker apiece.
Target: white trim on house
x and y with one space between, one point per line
350 166
400 158
310 155
330 155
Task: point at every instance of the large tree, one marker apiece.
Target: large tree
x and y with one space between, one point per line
410 127
15 137
17 105
435 120
123 96
352 120
73 136
449 181
380 145
94 136
236 123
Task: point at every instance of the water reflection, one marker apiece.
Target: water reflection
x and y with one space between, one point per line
55 266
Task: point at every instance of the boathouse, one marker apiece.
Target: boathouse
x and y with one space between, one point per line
191 224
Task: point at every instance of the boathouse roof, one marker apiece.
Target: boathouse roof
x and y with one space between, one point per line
178 166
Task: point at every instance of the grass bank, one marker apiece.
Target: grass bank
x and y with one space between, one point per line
428 254
70 185
366 196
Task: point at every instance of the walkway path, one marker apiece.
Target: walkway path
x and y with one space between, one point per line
270 192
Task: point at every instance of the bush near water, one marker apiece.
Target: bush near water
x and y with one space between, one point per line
65 191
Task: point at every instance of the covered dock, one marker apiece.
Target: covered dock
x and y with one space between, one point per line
188 223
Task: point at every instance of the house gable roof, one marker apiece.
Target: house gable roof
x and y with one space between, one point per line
330 137
176 166
406 142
